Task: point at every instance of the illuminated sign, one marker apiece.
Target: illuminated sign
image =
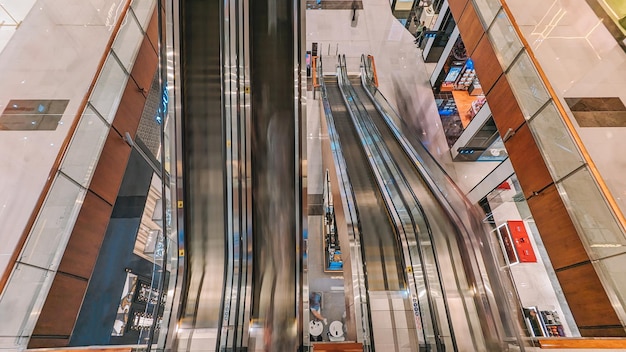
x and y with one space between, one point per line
162 111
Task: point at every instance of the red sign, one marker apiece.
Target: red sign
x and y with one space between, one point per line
522 244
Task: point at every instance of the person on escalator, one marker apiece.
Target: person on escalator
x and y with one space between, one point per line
315 304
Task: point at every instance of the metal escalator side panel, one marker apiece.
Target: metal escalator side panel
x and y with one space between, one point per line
234 331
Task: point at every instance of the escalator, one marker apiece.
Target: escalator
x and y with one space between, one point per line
443 278
435 257
380 250
202 129
241 156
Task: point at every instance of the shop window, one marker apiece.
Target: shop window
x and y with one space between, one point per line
520 253
458 94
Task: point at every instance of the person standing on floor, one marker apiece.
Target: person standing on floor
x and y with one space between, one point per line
315 305
419 33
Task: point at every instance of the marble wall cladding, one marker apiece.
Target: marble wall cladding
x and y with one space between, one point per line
598 112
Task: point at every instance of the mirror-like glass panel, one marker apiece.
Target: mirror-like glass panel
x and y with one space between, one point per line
527 86
127 42
84 151
615 269
21 298
504 39
52 229
600 230
107 94
556 144
143 10
487 10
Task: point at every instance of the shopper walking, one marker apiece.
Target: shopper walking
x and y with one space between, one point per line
419 33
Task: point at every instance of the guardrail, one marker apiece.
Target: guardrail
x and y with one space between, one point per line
372 67
582 343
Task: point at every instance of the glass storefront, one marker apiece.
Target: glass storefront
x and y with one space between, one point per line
520 253
460 100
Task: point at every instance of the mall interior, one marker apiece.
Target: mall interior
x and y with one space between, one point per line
313 175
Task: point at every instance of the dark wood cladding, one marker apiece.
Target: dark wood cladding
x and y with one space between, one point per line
531 170
108 175
598 331
40 342
145 65
338 346
153 32
588 301
471 28
487 66
82 249
129 111
457 7
61 308
557 230
504 108
547 343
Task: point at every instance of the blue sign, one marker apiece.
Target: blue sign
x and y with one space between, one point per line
162 111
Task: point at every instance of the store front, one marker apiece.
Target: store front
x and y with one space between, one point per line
459 95
135 260
521 254
466 119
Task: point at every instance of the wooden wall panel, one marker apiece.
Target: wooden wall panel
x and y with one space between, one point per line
531 170
337 346
471 28
487 66
587 299
504 108
83 247
595 331
546 343
130 109
153 32
62 305
457 7
40 342
108 175
557 231
145 65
